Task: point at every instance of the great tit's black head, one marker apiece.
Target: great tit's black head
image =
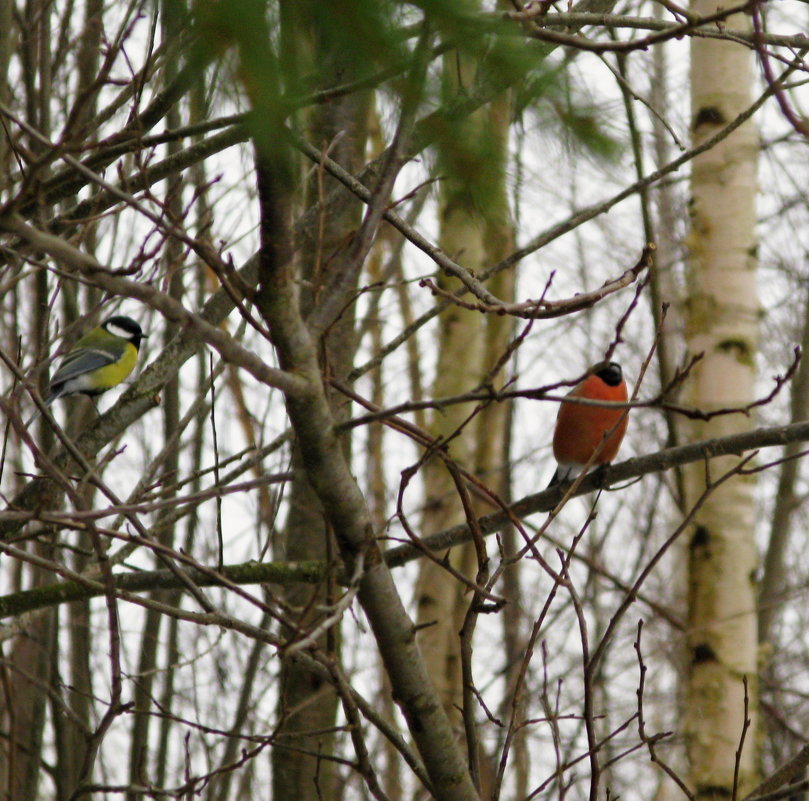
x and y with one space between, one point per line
609 372
124 327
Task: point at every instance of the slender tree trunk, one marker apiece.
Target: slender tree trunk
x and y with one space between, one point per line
140 763
6 30
787 501
23 704
722 324
668 238
79 635
307 703
476 233
459 366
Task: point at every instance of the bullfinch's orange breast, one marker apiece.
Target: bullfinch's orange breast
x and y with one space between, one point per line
580 429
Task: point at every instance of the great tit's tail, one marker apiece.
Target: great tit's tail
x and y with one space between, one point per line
38 413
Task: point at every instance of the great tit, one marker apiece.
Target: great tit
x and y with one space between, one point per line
99 361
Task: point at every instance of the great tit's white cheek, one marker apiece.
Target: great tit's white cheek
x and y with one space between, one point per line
117 331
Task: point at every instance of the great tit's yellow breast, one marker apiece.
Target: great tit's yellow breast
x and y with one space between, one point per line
112 374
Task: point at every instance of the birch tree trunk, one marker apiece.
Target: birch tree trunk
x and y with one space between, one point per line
476 234
721 323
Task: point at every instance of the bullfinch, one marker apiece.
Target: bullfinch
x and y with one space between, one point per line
584 431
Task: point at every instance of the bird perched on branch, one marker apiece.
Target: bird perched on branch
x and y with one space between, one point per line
99 361
584 432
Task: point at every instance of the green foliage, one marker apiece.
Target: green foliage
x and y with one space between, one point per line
490 54
562 110
470 162
369 32
584 124
243 26
284 51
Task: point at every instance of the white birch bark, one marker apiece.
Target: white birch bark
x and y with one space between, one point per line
722 323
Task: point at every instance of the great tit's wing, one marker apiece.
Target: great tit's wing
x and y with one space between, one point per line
85 360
